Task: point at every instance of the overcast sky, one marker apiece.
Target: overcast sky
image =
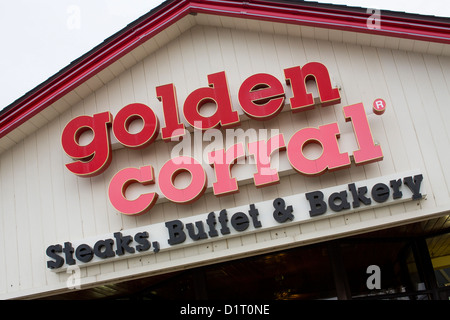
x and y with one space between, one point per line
39 38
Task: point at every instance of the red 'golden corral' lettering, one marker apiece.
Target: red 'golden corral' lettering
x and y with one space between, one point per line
121 181
368 152
94 158
174 128
222 162
149 130
261 151
297 78
217 93
331 158
169 172
261 97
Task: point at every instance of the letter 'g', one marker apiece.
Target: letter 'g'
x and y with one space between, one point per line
94 158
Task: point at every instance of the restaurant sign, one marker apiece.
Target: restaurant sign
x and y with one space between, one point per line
242 220
261 97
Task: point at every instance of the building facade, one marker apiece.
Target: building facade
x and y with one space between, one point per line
297 150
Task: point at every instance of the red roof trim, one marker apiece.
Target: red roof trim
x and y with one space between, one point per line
326 16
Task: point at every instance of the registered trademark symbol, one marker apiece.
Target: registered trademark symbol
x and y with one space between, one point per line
379 106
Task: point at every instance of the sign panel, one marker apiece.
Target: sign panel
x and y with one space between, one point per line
237 221
261 97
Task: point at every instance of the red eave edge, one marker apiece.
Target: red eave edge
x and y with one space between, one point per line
332 17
